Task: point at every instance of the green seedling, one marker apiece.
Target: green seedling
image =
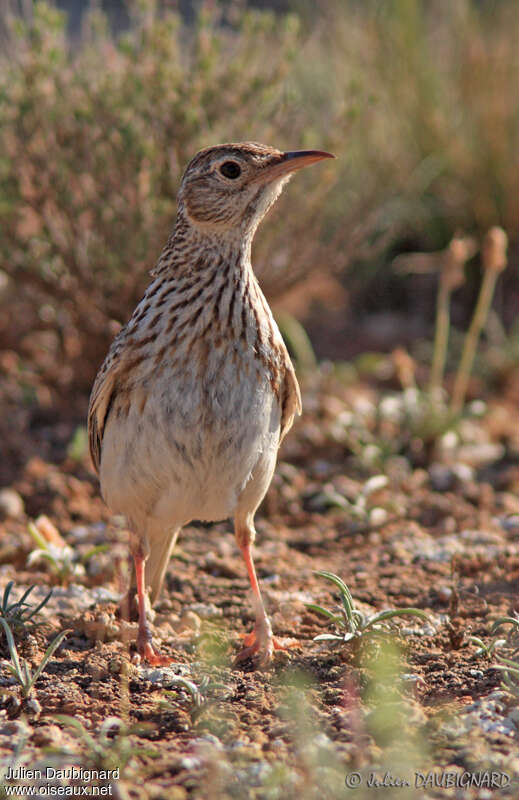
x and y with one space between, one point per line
195 693
19 612
486 650
20 668
510 670
61 558
496 642
507 666
352 622
112 747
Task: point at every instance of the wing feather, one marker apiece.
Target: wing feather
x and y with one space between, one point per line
101 401
290 397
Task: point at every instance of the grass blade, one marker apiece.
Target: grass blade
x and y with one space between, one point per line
48 654
397 612
40 605
13 652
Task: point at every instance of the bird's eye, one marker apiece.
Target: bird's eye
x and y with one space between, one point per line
230 169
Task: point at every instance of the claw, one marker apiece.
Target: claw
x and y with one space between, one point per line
153 656
260 646
148 652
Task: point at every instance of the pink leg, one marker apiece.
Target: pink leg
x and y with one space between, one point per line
145 645
260 642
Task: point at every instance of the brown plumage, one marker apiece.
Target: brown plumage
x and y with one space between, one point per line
197 391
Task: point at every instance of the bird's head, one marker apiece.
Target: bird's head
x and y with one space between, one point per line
228 189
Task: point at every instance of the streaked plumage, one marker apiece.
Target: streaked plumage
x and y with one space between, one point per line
197 391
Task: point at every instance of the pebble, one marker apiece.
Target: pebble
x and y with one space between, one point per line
510 524
442 478
444 593
190 763
33 706
47 736
177 793
374 484
11 504
165 676
477 455
206 610
377 516
208 739
13 729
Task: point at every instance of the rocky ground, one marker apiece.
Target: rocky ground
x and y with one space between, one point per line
363 490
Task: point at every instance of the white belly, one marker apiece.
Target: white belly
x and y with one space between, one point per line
191 451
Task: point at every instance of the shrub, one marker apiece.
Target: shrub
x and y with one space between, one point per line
417 100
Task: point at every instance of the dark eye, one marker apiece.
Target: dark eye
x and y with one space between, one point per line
230 169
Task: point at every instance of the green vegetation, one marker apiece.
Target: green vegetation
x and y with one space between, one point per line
113 747
18 613
416 100
351 622
20 669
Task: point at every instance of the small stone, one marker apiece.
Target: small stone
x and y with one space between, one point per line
12 729
33 706
444 593
14 703
374 484
11 504
206 610
177 793
511 523
477 455
95 669
189 621
442 478
377 516
463 472
115 665
47 736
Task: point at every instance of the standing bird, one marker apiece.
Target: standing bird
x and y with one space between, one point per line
197 391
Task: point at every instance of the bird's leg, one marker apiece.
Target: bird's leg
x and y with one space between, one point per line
260 642
145 646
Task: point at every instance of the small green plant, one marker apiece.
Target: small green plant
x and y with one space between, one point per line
112 748
510 669
62 559
17 613
488 650
195 693
352 622
20 668
508 666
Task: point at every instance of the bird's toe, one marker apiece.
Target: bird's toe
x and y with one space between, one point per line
149 653
261 648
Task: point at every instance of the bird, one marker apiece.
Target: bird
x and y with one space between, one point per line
197 391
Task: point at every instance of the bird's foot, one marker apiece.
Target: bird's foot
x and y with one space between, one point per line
260 645
148 652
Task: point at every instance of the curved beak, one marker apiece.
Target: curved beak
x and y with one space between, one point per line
292 161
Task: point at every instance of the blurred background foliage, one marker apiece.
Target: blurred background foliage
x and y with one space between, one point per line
100 113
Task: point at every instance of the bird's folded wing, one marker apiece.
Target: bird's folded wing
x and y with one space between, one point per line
101 401
290 398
